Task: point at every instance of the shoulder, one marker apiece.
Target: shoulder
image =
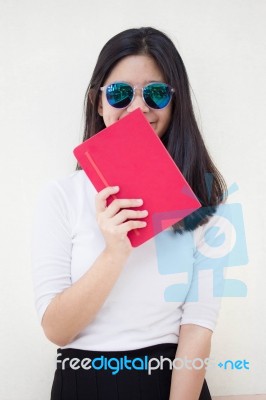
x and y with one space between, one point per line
67 193
72 186
76 180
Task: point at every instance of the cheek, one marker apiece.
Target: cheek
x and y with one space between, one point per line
166 118
110 115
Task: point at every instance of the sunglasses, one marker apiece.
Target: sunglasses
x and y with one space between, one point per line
156 95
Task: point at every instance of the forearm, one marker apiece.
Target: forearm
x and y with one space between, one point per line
194 342
73 309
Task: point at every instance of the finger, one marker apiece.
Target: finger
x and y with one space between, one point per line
117 204
123 215
129 225
100 198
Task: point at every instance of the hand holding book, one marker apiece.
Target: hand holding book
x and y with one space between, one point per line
116 220
131 155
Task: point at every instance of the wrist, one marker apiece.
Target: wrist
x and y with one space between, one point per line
115 256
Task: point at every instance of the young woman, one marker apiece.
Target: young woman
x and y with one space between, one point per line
101 301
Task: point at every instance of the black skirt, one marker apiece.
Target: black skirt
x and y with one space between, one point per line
115 375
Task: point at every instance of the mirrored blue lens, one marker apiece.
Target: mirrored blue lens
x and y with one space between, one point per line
157 95
119 95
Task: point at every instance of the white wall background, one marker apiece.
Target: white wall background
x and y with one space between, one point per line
48 50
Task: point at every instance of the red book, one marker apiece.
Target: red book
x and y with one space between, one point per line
131 155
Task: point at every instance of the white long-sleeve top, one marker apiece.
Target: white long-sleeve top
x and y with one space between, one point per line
166 282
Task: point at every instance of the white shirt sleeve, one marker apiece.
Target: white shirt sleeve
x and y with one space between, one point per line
50 246
212 243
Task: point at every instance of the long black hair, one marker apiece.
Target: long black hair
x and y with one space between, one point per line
182 139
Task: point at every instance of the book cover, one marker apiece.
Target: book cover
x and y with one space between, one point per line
131 155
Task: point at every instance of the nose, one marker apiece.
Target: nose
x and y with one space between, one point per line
138 102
